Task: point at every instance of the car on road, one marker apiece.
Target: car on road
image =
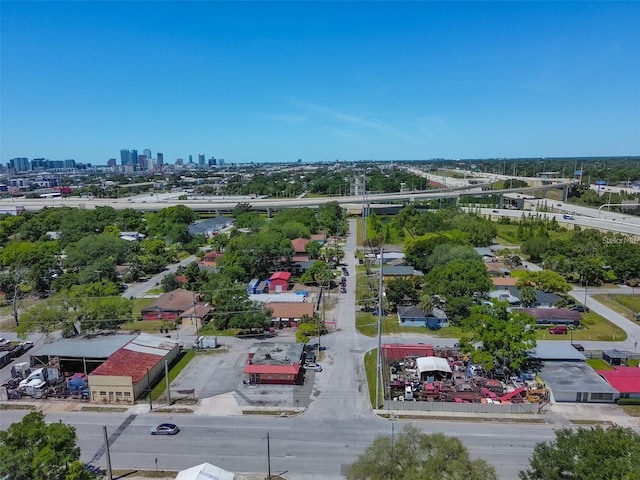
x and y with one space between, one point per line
559 330
3 342
27 345
580 308
343 290
345 272
165 429
566 216
495 211
313 366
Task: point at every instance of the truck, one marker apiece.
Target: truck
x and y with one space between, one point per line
20 370
36 388
206 342
47 374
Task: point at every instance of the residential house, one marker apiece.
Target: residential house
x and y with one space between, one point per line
400 271
170 305
413 316
199 314
286 314
210 259
553 316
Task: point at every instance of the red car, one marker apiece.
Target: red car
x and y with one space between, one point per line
560 330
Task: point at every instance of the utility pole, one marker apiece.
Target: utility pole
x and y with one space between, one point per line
166 376
149 390
106 447
268 458
379 356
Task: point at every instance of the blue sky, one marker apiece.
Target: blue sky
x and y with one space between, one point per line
278 81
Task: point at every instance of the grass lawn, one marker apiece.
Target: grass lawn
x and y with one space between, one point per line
625 305
139 304
633 362
598 364
594 327
631 410
210 329
159 389
370 364
148 326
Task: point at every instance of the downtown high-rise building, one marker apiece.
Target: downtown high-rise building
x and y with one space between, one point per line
20 164
124 157
134 157
147 153
190 158
201 159
160 159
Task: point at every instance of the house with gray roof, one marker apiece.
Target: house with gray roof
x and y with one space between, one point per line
211 226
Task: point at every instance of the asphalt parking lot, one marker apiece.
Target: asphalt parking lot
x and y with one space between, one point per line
220 371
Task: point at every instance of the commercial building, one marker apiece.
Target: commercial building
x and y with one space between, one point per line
576 382
132 369
275 363
626 380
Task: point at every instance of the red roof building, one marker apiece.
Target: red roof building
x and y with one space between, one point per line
397 351
279 282
624 379
299 245
275 363
128 373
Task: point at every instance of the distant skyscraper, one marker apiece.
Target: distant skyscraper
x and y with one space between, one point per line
190 158
201 159
134 157
20 164
111 162
160 159
212 162
221 161
147 153
124 157
179 161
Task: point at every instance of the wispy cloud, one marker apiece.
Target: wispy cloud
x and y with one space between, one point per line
371 123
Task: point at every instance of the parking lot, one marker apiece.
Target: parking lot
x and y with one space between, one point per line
220 371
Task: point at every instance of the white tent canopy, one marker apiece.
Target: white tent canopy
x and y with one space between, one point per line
432 364
205 471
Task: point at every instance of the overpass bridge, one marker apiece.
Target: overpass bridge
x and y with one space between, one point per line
153 202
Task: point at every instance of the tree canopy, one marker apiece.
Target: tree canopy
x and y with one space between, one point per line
587 454
414 455
34 450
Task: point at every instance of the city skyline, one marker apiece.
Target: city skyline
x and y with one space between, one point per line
320 81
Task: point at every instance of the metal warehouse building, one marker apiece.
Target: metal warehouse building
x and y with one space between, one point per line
576 382
130 371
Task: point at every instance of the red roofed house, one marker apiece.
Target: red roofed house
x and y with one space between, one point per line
624 379
300 245
275 363
279 282
126 374
210 259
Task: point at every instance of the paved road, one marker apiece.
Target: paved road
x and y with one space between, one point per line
139 289
305 447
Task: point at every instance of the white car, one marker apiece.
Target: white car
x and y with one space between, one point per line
3 342
313 366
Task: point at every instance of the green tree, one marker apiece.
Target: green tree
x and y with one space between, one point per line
319 273
34 450
397 289
587 454
331 217
169 282
313 249
459 282
546 280
528 295
414 455
506 337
